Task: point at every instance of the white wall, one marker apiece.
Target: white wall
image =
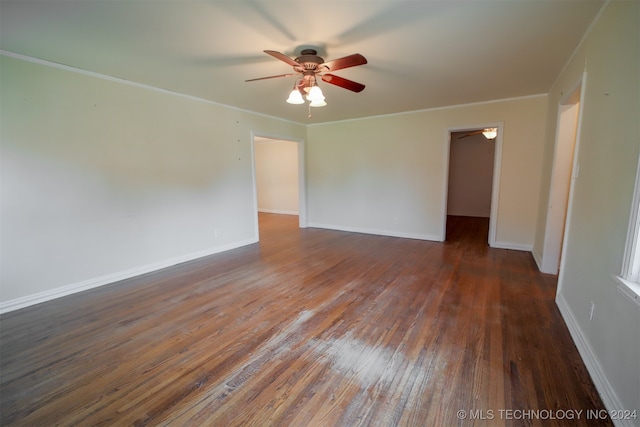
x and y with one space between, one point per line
607 155
277 176
387 175
102 179
470 175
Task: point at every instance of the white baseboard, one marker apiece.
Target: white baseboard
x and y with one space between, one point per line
537 259
377 232
84 285
512 246
607 393
276 211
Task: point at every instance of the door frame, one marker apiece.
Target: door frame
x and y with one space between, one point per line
302 176
495 185
574 176
561 186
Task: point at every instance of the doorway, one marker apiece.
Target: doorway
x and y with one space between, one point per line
278 171
472 175
561 177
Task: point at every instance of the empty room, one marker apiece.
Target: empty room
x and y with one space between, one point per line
344 213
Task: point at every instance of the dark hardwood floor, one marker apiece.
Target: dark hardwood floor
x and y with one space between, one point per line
307 328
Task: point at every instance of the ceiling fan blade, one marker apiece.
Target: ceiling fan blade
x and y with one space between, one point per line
346 62
342 82
282 57
270 77
471 134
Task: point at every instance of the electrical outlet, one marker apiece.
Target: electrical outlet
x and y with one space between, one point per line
216 232
395 219
593 307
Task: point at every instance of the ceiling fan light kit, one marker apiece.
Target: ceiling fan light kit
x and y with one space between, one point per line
310 65
317 103
315 94
490 133
295 97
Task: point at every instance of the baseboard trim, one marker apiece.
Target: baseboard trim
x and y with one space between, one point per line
279 212
512 246
537 259
40 297
377 232
607 393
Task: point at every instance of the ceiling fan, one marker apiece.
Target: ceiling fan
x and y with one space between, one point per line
309 65
489 133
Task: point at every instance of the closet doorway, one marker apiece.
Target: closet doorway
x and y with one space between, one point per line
473 176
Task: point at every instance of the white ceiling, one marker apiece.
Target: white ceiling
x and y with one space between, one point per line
422 54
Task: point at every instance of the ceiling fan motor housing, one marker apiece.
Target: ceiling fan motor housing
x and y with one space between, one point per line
309 59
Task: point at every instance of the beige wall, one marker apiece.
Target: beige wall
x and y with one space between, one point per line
103 180
387 175
607 155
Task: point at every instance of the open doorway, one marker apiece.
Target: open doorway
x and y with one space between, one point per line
561 174
279 186
473 165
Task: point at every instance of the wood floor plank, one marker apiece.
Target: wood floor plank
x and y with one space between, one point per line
307 328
